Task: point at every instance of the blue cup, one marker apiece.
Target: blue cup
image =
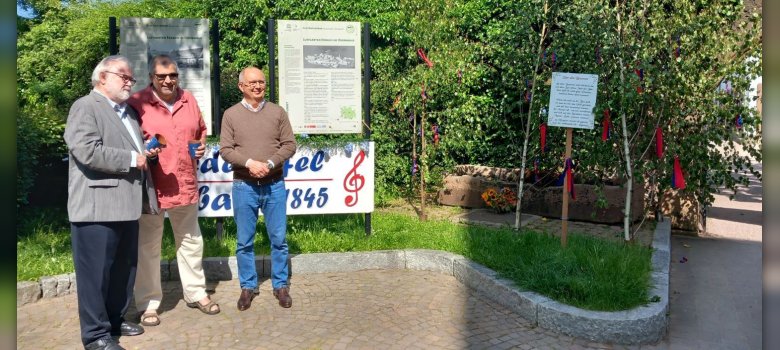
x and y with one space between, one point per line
193 146
157 141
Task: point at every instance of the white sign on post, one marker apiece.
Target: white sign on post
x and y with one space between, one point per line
319 76
318 181
185 40
572 99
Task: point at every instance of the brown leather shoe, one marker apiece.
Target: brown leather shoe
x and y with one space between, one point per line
283 295
245 300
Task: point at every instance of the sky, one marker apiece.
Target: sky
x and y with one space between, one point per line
22 12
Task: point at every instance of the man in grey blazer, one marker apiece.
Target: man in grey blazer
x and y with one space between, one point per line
108 188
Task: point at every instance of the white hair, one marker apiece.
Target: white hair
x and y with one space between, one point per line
103 66
241 75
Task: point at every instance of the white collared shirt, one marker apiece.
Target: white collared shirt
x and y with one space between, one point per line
249 106
121 111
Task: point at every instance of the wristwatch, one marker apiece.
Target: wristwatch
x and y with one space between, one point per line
270 164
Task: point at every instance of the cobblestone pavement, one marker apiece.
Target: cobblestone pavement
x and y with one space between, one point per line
373 309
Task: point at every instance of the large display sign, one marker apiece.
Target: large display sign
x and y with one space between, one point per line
572 99
185 40
319 76
318 181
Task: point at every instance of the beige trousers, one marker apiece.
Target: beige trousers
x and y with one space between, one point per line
189 256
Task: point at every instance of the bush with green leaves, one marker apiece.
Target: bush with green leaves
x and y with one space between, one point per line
485 54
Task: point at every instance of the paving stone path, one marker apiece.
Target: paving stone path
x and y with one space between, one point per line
372 309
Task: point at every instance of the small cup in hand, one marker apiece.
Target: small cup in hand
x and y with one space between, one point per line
193 146
156 141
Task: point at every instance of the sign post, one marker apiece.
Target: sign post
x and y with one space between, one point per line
572 99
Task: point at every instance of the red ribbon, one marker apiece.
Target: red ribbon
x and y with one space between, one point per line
570 178
678 181
659 143
421 54
606 123
543 135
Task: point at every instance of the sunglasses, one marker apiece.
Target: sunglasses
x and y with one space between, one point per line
172 76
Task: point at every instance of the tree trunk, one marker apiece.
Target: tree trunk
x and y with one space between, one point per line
629 171
521 177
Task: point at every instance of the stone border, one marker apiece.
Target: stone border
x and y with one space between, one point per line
645 324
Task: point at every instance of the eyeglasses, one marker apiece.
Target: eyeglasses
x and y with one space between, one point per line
172 76
126 78
257 83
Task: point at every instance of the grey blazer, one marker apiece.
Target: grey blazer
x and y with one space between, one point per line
101 184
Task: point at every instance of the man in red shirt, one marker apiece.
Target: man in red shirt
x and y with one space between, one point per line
170 111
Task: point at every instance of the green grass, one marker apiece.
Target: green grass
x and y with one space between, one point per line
591 273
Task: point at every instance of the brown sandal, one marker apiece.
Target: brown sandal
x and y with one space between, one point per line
206 309
150 314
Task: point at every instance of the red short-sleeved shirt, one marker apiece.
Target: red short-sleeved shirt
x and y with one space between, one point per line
175 176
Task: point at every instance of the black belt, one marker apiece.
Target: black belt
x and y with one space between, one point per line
258 182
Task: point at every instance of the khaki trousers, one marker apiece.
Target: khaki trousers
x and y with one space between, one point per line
189 256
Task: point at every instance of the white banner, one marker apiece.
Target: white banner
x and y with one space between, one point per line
318 181
572 99
185 40
319 76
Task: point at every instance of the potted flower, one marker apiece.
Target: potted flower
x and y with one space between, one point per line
501 201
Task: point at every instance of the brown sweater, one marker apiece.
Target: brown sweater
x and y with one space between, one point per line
261 136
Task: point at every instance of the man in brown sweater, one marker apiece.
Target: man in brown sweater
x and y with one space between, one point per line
256 139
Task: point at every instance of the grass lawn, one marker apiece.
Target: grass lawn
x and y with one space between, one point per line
591 273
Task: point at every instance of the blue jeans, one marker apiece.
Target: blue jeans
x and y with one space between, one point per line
272 200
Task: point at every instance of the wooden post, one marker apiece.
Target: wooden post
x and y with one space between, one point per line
565 208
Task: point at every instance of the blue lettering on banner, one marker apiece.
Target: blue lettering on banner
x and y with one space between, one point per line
311 197
304 163
204 197
212 164
221 201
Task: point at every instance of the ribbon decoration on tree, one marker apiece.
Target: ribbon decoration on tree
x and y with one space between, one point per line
414 166
553 60
678 181
738 121
606 125
543 129
435 129
527 94
460 77
421 54
659 142
641 74
568 176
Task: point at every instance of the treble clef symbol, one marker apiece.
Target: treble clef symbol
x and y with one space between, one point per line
353 182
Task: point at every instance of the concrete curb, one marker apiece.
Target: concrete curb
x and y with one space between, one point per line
641 325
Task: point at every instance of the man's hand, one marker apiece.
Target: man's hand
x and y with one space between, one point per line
200 151
257 169
140 162
152 152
